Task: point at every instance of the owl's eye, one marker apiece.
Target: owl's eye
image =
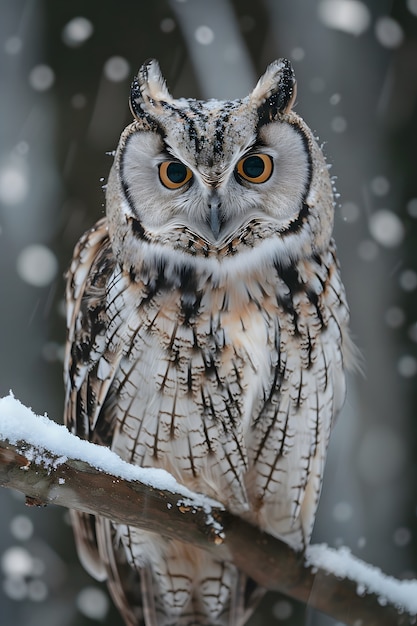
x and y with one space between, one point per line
255 168
174 174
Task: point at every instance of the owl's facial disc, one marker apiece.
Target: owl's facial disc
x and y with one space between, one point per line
250 175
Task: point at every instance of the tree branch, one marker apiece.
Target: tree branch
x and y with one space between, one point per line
47 477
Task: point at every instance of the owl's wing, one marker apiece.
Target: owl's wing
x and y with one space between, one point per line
89 367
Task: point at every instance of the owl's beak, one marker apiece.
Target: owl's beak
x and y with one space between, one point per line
214 219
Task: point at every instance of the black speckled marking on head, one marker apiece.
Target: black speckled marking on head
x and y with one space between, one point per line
140 112
136 98
195 122
220 128
279 100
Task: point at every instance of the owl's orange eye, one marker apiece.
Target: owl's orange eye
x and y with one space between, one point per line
255 168
174 174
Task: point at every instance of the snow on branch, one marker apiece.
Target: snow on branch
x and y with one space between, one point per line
50 465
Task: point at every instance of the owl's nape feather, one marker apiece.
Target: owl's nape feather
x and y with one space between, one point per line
207 335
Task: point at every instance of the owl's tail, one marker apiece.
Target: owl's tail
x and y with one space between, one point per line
217 595
156 582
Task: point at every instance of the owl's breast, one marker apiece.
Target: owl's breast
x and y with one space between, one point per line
188 384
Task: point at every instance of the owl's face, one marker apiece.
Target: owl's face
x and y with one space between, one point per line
220 171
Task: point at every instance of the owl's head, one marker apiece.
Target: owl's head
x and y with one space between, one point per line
216 178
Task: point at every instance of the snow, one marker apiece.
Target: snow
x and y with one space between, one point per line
18 423
401 593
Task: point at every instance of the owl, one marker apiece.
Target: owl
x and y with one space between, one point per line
208 335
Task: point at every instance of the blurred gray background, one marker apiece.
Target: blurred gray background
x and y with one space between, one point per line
65 71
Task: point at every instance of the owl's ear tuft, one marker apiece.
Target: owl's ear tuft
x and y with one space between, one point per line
148 88
275 91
